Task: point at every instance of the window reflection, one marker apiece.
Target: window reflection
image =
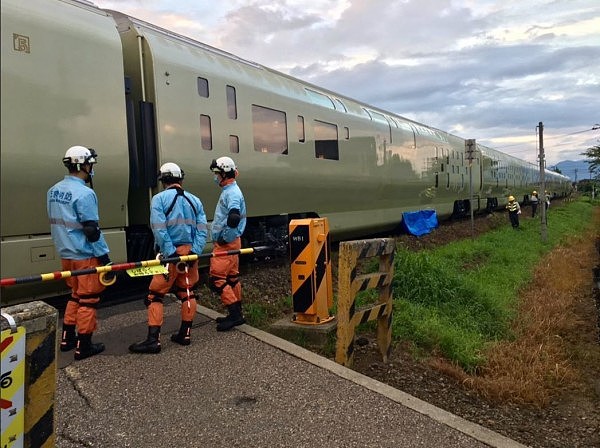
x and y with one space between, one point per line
234 144
231 103
205 132
326 140
270 130
300 129
203 87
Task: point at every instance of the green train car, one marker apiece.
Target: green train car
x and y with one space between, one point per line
74 74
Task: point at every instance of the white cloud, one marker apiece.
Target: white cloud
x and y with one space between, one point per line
482 69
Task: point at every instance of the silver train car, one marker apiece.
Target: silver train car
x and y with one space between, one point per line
74 74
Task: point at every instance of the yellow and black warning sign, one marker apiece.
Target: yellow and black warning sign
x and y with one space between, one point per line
312 291
12 392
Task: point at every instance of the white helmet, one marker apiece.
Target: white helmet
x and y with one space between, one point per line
79 155
223 165
170 171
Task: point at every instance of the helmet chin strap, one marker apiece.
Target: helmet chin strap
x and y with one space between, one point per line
90 175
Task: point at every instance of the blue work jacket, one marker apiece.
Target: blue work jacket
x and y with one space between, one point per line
183 224
70 203
231 197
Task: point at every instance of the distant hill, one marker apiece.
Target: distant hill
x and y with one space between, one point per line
568 168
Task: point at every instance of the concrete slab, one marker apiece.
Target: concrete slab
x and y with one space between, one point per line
303 334
242 388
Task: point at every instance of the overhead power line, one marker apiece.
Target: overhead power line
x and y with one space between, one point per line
595 127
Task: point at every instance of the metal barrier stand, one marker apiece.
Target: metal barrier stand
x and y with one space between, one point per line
29 344
350 283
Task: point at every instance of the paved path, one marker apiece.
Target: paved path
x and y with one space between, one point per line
243 388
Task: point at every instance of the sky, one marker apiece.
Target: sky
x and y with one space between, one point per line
481 69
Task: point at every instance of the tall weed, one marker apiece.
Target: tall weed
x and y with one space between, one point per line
459 298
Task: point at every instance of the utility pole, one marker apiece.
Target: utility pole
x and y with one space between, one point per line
470 146
543 183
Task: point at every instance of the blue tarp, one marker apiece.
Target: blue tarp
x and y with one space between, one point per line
420 223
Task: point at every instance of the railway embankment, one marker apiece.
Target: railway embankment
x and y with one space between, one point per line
536 381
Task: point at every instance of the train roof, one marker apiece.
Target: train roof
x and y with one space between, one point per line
313 93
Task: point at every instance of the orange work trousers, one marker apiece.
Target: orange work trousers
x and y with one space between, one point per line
225 272
184 283
85 293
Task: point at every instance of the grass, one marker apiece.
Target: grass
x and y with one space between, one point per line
485 305
462 297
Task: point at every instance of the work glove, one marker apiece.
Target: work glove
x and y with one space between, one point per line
104 259
160 256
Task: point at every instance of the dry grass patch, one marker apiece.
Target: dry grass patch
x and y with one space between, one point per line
553 348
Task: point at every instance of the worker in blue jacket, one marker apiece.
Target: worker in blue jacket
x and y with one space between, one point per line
73 212
178 223
228 225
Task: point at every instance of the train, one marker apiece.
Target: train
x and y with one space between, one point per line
141 95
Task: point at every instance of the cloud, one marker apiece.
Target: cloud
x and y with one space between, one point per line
479 68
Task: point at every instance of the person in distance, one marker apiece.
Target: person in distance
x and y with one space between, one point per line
534 203
514 210
178 223
73 212
228 225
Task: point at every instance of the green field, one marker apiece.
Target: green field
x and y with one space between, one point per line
458 298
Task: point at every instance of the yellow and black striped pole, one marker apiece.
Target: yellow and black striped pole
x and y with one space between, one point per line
57 275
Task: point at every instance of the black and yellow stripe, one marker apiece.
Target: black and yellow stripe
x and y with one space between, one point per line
40 387
312 293
350 283
40 321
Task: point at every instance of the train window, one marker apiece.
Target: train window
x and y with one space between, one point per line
231 103
205 132
300 129
379 117
270 130
346 133
339 105
389 123
320 99
203 87
234 144
326 141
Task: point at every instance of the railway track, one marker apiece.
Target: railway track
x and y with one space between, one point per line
268 278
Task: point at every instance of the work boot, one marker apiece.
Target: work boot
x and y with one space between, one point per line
235 317
183 337
223 319
69 338
150 345
85 348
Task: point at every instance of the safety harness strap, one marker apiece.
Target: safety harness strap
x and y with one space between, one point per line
180 193
88 305
232 280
